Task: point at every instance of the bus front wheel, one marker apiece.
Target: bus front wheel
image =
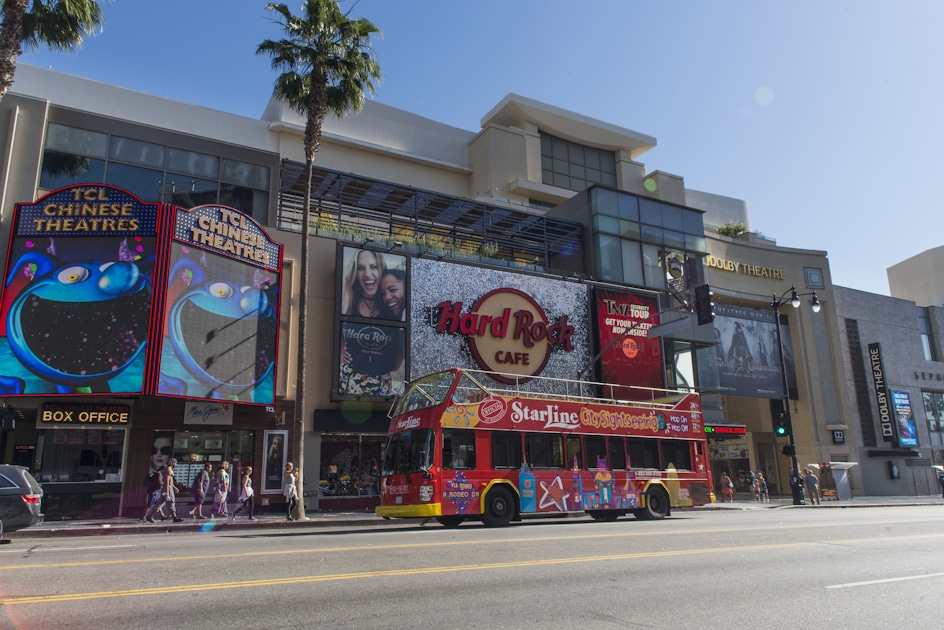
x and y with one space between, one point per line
657 505
499 508
450 521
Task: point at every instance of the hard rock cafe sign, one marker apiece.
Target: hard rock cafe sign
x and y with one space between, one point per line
507 332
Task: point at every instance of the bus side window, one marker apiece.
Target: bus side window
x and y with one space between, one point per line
595 449
506 449
644 453
544 450
574 452
617 453
677 453
458 449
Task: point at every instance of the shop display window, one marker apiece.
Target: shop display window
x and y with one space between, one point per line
350 465
193 449
79 455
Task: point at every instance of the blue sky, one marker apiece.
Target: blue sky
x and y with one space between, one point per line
824 116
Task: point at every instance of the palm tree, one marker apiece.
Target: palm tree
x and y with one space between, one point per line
327 65
59 24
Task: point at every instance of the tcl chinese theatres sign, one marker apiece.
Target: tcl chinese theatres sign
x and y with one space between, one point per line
507 331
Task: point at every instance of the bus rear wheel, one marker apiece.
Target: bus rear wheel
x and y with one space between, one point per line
450 521
657 505
499 508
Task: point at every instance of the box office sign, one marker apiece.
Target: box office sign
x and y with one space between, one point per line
81 415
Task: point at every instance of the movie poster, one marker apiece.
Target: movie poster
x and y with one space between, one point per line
905 422
746 352
77 293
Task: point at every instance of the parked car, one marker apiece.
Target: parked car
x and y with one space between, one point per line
20 499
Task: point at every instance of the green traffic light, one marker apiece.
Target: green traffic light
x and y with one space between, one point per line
781 430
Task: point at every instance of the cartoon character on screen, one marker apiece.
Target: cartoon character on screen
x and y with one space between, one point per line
222 333
75 325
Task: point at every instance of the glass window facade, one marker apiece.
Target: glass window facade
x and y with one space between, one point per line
153 172
934 411
573 166
927 343
633 236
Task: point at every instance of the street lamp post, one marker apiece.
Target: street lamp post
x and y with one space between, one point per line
815 306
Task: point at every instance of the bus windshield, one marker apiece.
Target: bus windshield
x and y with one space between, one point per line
428 391
408 452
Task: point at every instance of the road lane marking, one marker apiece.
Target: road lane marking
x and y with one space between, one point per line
424 545
38 549
886 580
191 588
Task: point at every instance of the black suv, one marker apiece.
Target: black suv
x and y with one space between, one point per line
20 499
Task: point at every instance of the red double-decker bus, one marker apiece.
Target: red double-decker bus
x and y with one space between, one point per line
463 446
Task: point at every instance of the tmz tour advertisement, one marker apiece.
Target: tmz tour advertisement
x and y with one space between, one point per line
624 319
77 293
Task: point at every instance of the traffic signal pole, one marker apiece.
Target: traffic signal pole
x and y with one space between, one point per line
788 418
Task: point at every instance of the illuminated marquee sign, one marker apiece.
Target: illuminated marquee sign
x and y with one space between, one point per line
86 210
507 331
76 415
229 232
724 431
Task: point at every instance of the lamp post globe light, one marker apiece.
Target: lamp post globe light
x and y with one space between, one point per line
784 422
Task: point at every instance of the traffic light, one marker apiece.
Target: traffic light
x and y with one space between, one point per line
704 307
781 424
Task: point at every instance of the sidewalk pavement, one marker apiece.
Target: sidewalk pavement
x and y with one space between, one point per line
270 522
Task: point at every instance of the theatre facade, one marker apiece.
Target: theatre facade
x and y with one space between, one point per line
525 248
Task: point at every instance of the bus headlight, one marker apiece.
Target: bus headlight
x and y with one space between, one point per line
426 493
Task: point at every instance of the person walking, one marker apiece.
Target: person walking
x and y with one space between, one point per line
763 496
222 489
940 480
290 490
727 487
245 493
812 485
199 489
168 494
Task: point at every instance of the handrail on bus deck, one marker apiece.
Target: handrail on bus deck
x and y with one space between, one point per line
668 399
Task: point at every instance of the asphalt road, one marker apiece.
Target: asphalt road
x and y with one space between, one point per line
782 568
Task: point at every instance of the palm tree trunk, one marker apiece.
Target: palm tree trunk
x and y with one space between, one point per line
11 38
302 343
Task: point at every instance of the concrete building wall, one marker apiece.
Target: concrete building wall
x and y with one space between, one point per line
919 278
892 323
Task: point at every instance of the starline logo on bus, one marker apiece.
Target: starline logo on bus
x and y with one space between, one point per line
550 415
410 423
507 331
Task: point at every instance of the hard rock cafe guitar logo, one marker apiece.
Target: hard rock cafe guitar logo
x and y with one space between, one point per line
507 332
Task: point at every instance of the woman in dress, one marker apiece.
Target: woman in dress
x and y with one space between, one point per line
290 490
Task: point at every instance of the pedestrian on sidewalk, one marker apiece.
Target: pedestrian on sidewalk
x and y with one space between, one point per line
245 493
762 494
796 486
812 485
290 490
222 489
168 494
727 487
199 489
940 480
